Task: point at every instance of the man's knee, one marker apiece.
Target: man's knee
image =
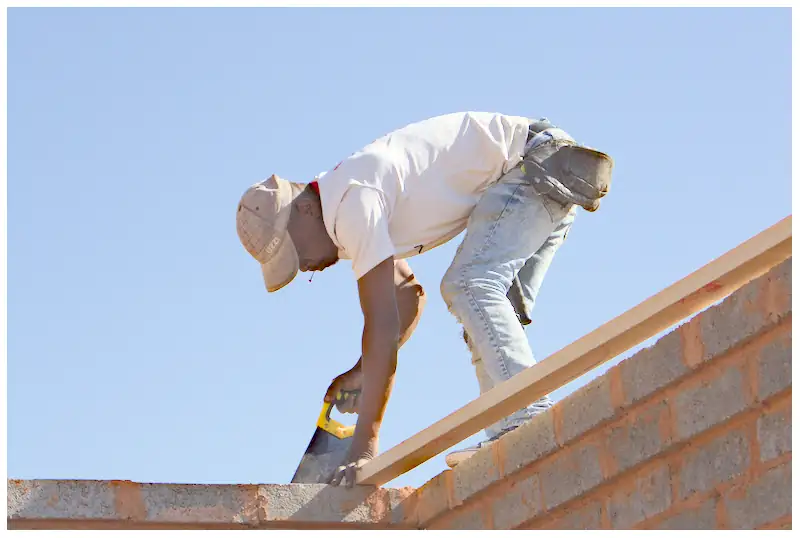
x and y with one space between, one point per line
450 287
479 283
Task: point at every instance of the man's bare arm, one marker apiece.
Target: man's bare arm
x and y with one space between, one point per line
379 344
410 299
410 303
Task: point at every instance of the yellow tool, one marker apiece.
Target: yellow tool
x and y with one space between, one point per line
325 422
328 446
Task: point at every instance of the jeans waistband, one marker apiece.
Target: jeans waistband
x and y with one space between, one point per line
551 133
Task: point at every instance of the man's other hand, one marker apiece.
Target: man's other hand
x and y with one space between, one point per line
345 474
348 381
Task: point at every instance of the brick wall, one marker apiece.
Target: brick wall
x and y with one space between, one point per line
691 433
116 504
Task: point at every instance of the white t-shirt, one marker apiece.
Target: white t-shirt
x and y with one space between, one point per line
414 189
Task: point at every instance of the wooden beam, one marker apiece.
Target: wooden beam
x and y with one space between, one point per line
684 298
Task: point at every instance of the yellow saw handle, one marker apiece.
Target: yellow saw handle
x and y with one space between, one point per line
334 427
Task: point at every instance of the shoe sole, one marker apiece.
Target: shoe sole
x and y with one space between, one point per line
454 459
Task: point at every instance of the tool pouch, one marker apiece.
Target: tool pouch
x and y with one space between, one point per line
569 173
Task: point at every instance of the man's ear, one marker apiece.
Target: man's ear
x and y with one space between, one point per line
308 205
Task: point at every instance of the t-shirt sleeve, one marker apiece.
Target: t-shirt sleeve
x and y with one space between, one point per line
362 229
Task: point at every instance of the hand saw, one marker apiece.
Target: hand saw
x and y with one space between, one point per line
328 446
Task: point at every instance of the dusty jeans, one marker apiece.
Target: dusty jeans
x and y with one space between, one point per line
492 283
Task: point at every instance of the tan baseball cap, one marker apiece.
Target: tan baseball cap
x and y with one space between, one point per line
262 220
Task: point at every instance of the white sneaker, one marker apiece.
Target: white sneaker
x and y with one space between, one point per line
454 458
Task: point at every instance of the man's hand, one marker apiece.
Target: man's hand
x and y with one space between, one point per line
351 380
346 474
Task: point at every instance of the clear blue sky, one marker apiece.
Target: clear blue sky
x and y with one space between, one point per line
141 343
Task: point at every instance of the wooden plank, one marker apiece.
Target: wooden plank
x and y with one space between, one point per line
684 298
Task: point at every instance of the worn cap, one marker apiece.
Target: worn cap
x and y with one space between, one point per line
262 220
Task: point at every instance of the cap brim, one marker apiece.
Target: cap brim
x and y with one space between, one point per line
282 268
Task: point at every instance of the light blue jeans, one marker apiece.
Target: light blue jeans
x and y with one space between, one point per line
491 285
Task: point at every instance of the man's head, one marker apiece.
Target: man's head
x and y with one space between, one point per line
280 224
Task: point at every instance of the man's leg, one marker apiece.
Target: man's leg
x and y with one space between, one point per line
522 295
510 224
529 280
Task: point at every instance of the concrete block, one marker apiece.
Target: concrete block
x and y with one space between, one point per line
433 498
519 504
640 437
779 291
475 474
119 504
703 517
719 460
471 520
775 433
585 408
652 368
587 517
41 499
775 366
735 320
572 472
402 505
531 441
179 503
650 495
702 404
323 503
766 499
467 518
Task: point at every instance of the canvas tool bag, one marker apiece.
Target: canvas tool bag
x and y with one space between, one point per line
568 172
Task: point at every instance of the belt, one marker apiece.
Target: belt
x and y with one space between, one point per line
537 126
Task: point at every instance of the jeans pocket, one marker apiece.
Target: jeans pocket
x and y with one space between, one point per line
554 208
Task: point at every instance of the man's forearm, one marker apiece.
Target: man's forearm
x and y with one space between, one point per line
378 367
387 325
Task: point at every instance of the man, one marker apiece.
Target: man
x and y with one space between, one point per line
512 183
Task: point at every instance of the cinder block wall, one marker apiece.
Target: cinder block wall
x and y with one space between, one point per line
691 433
